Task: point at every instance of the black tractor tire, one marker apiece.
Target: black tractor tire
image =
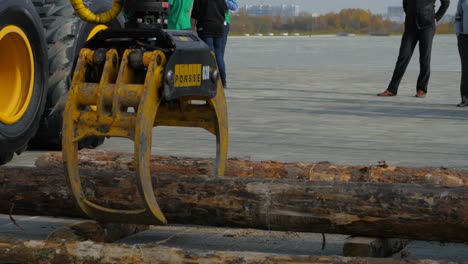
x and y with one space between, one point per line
66 35
15 136
6 157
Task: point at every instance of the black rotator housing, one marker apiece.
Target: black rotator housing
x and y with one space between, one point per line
191 70
146 13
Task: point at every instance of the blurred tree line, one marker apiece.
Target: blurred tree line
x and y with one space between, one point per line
357 21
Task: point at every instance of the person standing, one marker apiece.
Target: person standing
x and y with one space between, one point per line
420 26
461 28
208 17
179 14
232 6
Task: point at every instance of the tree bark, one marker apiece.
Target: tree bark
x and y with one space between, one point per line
324 171
17 251
360 209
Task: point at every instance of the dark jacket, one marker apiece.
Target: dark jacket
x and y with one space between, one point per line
421 14
210 15
461 18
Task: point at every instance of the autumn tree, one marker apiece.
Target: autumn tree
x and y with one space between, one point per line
353 20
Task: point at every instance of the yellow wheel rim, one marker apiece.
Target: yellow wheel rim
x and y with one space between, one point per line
16 74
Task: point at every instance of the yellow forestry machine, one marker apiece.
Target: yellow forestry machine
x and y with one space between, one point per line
123 81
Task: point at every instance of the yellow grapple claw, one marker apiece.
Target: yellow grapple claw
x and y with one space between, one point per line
129 107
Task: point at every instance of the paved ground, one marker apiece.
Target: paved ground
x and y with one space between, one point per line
314 100
282 243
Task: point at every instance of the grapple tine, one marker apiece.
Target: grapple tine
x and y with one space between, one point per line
147 111
218 105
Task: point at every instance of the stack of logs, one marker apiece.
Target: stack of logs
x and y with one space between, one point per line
376 201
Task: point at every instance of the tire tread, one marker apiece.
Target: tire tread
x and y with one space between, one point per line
61 26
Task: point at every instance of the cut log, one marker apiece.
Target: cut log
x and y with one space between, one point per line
370 247
17 251
324 171
359 209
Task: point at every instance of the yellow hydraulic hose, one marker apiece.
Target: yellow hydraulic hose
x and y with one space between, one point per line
103 18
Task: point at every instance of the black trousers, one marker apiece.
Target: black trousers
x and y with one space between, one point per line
410 38
463 49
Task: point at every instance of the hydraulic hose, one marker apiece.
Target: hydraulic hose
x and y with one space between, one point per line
87 15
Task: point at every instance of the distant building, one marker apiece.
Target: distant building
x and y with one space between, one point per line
273 10
396 13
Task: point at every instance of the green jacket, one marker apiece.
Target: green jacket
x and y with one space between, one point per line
179 17
232 5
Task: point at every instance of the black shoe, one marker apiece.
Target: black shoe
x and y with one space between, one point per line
463 104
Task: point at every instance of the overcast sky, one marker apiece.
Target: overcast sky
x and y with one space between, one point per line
324 6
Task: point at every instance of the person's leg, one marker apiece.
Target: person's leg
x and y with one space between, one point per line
408 43
463 49
218 46
209 41
426 38
225 37
215 45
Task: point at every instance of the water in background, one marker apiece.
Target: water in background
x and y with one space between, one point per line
333 53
